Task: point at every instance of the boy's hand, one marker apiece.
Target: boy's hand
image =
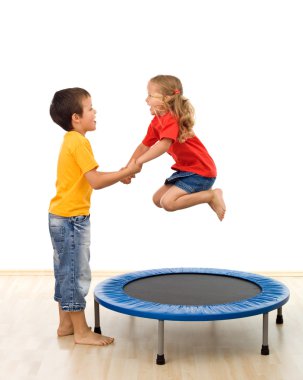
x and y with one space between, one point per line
127 180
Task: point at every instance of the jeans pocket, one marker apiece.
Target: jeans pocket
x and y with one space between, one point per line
80 218
57 233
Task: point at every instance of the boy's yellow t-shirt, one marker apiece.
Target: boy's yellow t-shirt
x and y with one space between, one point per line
73 190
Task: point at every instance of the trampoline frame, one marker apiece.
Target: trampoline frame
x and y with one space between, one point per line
273 296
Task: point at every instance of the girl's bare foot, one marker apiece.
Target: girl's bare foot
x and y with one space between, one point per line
89 337
217 203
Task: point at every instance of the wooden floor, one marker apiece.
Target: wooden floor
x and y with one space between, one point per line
220 350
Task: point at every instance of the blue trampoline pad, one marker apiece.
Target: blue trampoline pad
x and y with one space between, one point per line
191 294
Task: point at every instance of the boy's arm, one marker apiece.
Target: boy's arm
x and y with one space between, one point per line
99 180
155 151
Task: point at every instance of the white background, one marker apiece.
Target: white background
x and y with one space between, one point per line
241 66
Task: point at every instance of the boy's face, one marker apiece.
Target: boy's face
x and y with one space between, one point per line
154 99
86 122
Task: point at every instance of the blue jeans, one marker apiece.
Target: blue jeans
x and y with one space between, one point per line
71 241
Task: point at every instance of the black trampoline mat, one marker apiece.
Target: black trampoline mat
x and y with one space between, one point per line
191 289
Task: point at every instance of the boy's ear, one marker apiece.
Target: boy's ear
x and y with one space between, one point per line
75 118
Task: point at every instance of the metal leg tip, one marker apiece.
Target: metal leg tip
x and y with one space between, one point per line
279 319
97 330
264 350
160 360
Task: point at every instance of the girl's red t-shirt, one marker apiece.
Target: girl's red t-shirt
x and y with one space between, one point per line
189 156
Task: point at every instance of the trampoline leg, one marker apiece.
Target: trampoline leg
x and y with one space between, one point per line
279 319
160 356
97 328
265 348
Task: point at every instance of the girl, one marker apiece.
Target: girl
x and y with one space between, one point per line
171 131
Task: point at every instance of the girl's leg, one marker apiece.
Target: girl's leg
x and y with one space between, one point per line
176 199
159 194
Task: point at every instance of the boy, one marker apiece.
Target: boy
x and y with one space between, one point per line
69 220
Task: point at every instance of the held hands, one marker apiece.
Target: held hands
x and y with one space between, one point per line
134 168
127 180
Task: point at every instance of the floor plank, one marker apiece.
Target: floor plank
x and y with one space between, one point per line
229 350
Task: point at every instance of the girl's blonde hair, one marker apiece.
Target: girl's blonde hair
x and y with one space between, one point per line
171 89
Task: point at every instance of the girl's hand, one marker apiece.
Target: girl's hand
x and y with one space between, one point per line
134 167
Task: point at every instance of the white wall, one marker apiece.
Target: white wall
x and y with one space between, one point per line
241 65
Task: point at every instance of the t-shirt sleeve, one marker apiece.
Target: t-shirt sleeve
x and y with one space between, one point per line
151 137
169 129
162 128
85 158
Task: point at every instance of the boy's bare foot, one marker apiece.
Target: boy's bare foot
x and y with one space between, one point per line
65 331
217 203
92 338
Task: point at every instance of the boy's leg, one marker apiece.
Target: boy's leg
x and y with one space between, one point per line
177 199
75 323
71 241
65 323
83 334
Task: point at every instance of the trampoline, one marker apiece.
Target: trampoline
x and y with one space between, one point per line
191 294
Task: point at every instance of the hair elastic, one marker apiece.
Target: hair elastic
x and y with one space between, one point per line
177 92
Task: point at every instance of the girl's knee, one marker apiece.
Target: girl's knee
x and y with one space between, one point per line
157 201
167 204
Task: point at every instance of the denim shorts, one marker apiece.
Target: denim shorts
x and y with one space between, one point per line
71 243
190 182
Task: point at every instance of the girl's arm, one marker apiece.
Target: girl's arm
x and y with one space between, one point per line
99 180
155 151
141 149
144 154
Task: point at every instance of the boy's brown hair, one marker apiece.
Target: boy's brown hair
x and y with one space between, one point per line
65 103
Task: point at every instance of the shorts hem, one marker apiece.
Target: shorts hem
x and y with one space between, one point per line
184 187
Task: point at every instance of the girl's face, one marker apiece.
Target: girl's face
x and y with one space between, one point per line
155 99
